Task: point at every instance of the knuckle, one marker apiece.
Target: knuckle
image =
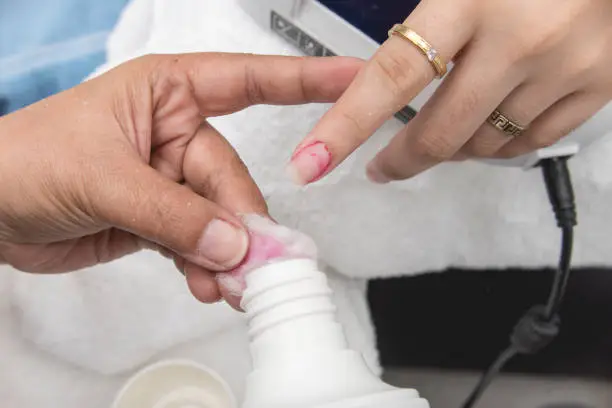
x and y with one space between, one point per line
542 40
253 90
433 148
354 129
578 67
353 120
581 67
167 74
304 90
399 72
157 65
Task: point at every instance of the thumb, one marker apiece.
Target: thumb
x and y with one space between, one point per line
143 202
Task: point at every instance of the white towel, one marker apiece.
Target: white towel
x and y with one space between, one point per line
71 340
468 214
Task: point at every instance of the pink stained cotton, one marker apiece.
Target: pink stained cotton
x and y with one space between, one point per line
269 242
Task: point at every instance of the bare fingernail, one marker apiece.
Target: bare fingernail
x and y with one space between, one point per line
375 175
223 244
309 163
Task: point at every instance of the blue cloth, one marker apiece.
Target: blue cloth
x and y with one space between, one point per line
49 46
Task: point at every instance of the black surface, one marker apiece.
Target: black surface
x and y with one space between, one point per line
373 17
462 319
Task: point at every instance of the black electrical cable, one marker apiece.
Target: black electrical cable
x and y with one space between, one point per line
559 288
489 376
540 325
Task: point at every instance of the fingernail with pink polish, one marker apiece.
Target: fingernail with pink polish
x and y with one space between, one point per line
310 163
375 175
223 244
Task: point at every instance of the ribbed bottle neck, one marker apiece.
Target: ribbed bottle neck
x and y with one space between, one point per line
300 354
290 312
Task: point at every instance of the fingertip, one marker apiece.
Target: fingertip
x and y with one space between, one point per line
231 287
346 68
231 298
202 284
309 163
376 175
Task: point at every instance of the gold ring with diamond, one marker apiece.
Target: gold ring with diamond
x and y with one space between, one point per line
505 124
430 52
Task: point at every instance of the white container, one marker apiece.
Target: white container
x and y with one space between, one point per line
175 384
301 358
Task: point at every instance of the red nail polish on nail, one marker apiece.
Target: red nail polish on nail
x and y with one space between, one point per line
310 163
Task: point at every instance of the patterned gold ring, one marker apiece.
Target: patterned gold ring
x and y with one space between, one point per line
430 52
505 124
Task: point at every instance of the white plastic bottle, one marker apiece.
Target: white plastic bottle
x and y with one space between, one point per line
301 358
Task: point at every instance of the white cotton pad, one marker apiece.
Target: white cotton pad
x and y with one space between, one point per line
270 242
175 384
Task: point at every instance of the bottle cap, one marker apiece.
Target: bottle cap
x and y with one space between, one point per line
175 384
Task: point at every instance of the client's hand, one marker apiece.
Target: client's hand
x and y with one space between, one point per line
127 161
543 65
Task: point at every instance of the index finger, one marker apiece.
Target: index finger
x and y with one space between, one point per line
396 74
226 83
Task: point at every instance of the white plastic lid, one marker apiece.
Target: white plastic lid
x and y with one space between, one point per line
175 384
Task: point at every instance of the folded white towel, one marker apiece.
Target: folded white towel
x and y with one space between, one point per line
72 339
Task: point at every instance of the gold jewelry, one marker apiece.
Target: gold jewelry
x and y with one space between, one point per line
505 124
430 52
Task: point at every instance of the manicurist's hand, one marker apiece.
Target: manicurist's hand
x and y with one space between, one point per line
128 161
537 69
